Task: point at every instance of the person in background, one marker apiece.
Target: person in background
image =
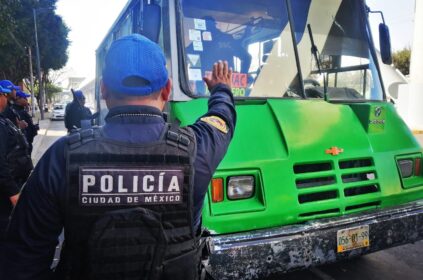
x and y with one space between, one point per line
76 112
9 112
21 106
9 188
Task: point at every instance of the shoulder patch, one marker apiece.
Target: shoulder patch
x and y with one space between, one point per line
216 122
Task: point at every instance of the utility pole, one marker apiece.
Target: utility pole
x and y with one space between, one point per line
32 82
40 82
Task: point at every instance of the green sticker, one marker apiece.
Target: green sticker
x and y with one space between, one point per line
377 119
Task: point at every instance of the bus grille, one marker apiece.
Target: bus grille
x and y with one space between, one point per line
336 187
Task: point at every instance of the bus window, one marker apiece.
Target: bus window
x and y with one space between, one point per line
342 67
253 36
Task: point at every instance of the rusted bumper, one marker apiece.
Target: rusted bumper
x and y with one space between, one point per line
259 254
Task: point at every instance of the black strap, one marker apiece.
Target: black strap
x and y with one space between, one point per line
175 138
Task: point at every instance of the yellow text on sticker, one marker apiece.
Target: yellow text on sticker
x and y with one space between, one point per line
216 122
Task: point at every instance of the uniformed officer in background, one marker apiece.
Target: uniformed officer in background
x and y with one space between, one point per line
12 151
129 194
21 106
76 112
9 112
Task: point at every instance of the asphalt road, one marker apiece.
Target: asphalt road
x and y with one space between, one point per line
404 262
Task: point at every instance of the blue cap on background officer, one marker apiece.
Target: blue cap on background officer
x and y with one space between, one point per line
6 84
9 85
4 90
22 94
4 93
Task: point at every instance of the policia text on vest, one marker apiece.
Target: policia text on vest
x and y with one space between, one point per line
130 186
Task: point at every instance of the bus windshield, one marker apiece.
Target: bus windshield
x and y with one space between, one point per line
255 37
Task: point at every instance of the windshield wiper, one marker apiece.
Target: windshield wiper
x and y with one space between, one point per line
316 55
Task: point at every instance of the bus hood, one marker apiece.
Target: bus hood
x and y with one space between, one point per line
312 130
305 130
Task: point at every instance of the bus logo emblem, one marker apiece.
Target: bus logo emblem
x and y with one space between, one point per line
334 151
378 111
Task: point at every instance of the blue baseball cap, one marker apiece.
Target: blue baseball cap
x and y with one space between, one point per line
9 85
4 90
135 66
78 94
22 94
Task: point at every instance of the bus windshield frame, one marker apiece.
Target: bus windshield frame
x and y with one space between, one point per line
273 57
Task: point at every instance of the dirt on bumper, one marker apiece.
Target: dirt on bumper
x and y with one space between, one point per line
259 254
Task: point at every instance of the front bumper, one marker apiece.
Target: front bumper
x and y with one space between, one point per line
58 117
259 254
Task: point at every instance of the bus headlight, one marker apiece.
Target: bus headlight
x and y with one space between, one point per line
240 187
405 167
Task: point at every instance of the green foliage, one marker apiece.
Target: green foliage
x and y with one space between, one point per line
7 22
18 35
401 60
50 90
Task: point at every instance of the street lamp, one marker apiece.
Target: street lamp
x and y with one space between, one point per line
40 83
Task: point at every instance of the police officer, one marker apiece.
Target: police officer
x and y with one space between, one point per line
21 107
9 112
13 163
76 112
129 195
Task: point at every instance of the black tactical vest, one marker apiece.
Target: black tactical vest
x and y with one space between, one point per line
129 208
18 158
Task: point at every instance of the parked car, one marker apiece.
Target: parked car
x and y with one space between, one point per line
58 112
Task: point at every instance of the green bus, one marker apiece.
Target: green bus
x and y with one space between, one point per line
321 167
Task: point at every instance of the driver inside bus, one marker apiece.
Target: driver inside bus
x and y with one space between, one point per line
216 45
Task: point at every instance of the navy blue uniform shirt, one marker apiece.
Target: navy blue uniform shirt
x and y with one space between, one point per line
75 113
38 218
8 186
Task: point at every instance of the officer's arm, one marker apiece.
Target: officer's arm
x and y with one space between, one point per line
37 219
8 186
215 129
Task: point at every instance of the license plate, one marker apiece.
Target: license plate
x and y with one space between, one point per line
352 238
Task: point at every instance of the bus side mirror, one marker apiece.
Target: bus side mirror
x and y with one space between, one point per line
385 44
151 23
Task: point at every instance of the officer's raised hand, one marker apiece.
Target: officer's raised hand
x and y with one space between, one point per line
221 74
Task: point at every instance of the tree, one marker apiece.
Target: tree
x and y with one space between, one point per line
7 22
19 34
401 60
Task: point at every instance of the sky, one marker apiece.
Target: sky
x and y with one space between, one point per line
399 16
90 20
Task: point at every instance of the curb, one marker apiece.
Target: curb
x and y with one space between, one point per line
40 137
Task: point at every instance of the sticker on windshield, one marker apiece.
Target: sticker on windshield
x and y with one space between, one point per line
207 36
194 60
198 46
200 24
194 74
239 80
239 92
195 35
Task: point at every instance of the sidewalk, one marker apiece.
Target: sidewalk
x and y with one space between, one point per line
38 140
49 132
